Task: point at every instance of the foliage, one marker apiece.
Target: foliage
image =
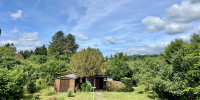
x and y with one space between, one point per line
128 84
11 45
6 52
69 93
118 67
174 72
31 87
9 62
70 46
114 86
85 87
38 59
11 83
63 45
26 54
40 50
87 63
192 93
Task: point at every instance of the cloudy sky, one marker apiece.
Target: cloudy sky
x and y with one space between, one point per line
130 26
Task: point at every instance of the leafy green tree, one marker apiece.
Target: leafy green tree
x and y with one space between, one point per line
63 45
11 45
11 83
70 46
172 48
6 51
8 57
26 54
40 50
57 43
118 67
87 63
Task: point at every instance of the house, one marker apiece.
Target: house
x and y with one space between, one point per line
63 83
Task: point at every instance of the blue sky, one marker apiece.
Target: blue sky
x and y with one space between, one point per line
129 26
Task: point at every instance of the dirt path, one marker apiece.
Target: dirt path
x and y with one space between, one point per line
99 95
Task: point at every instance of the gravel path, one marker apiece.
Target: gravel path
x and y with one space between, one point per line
99 95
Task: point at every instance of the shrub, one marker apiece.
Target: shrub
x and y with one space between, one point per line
35 96
128 84
70 93
85 87
31 87
114 86
192 93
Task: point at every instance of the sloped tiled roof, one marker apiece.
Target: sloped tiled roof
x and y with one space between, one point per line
19 55
70 76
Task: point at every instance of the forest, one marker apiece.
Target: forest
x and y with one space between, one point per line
172 74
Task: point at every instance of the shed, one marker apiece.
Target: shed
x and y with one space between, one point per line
63 83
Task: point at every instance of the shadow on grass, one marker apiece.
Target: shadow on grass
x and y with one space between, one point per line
140 92
27 97
73 95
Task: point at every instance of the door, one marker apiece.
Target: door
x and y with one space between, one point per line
64 85
97 83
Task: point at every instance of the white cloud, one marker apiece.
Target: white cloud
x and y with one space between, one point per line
154 24
83 37
178 19
184 37
29 36
175 28
147 49
110 39
26 41
16 15
14 31
185 12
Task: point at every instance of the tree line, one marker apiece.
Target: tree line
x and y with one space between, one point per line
173 74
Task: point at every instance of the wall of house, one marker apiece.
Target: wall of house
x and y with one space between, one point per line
57 85
72 84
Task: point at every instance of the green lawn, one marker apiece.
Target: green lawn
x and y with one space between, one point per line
137 94
62 96
128 96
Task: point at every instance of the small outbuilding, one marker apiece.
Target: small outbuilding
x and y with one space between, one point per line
63 83
71 81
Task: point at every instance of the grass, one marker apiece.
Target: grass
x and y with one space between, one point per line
137 94
45 94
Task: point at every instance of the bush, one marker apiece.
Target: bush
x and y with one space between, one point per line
70 93
85 87
114 86
31 87
128 84
35 96
192 93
